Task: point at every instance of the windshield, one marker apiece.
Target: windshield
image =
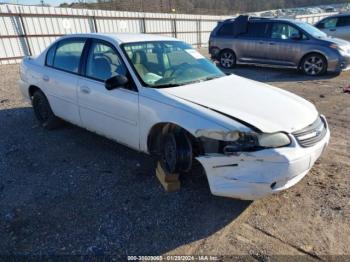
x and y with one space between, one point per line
312 30
169 63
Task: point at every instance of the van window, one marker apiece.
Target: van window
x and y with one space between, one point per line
226 29
68 53
329 23
283 31
258 30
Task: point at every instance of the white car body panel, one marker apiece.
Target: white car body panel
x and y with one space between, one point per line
113 114
224 105
251 175
61 91
242 98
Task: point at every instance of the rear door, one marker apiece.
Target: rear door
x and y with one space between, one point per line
60 76
282 49
252 45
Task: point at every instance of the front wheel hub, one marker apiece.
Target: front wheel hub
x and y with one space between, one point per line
177 153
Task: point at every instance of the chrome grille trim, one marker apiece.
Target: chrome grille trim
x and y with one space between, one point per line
311 134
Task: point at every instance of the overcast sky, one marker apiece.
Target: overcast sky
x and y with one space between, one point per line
35 2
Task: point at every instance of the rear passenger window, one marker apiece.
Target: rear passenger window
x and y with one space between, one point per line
68 53
344 21
50 55
226 29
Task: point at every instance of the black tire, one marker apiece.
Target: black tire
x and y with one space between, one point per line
227 59
43 111
314 65
176 153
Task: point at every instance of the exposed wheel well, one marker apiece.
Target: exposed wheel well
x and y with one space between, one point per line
32 90
317 53
155 135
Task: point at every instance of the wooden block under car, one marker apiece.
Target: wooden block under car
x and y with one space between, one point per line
170 183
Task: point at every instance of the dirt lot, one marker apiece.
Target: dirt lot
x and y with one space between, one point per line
70 191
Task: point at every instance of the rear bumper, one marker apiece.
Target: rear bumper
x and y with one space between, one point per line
254 175
23 87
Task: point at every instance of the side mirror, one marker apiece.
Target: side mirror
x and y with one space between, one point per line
296 36
116 82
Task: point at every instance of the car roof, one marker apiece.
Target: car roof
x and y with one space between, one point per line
339 15
125 37
265 19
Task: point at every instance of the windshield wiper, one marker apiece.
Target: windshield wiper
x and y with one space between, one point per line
187 83
167 85
211 78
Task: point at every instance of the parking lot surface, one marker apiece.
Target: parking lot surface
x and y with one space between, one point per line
70 191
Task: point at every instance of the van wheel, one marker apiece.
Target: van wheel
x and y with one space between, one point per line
227 59
43 111
314 65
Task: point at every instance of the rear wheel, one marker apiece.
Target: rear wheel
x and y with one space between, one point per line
43 111
314 65
227 59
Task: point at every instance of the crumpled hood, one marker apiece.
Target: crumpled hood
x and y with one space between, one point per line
267 108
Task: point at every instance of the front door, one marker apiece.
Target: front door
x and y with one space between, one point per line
282 49
111 113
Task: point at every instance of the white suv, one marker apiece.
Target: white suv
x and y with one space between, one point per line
160 96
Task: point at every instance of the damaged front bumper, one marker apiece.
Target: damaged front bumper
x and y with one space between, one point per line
253 175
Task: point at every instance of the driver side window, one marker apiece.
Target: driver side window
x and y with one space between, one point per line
283 31
103 62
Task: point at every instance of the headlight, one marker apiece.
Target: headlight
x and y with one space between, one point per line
231 142
273 140
341 49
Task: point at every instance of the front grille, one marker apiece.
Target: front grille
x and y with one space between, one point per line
311 134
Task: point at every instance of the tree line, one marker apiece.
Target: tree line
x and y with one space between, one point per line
219 7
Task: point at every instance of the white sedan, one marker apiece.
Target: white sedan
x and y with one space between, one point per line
160 96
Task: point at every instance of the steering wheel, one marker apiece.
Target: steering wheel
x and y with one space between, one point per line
180 69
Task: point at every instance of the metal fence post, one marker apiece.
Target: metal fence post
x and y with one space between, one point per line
25 35
143 25
94 23
199 33
174 29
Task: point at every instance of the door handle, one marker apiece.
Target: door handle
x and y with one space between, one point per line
271 43
85 89
46 78
333 29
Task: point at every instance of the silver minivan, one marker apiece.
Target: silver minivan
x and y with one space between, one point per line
278 43
336 26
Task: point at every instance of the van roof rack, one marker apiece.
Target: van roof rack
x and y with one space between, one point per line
247 17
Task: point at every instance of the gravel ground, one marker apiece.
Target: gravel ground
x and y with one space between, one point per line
70 191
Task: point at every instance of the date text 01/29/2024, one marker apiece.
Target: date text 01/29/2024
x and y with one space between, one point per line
173 258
